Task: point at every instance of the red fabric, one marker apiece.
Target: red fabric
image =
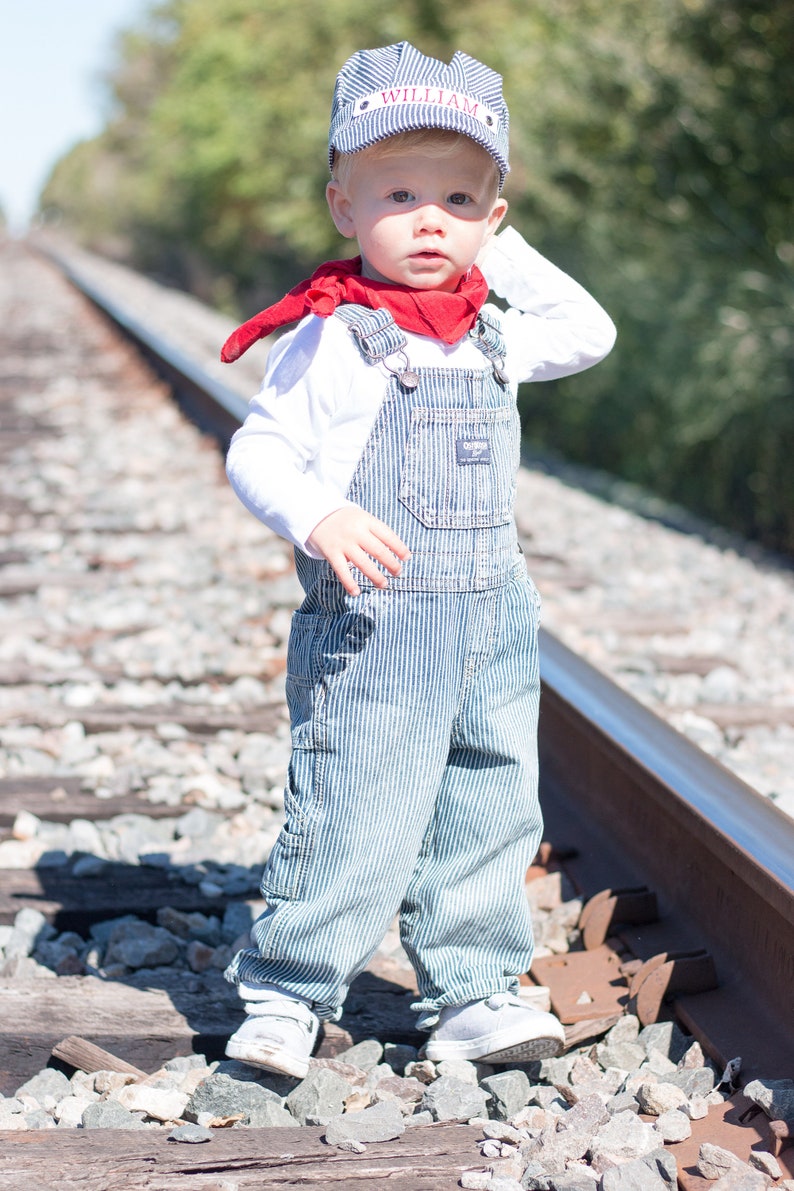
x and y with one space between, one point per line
446 316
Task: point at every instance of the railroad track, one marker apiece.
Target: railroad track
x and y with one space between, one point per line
687 876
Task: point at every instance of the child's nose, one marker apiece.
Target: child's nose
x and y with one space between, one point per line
431 218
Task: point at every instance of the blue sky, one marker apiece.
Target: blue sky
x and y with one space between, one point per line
52 55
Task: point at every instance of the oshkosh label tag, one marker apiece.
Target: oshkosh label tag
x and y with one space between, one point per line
473 450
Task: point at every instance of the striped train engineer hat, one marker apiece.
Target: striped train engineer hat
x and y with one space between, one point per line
381 92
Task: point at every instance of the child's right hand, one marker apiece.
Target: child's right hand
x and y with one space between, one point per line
353 536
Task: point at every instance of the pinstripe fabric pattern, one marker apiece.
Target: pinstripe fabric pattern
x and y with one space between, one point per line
412 786
396 88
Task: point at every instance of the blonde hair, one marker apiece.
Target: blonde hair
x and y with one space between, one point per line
442 141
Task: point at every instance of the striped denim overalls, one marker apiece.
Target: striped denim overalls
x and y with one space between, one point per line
412 786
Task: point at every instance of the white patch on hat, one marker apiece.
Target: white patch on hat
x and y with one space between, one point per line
458 101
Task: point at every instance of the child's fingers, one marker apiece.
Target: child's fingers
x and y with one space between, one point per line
341 569
390 539
365 561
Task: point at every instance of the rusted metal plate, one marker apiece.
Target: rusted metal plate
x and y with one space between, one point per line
723 1127
583 984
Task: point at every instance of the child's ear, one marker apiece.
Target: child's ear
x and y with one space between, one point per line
341 209
498 212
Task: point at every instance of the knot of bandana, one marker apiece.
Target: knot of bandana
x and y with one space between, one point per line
445 316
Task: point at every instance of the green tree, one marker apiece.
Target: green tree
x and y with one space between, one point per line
652 145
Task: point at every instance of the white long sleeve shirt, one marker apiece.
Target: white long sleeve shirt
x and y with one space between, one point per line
292 460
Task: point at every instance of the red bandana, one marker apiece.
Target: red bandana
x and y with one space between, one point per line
446 316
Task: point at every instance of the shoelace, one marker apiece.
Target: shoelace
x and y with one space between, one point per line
499 1000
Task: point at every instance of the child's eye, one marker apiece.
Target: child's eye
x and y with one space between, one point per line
401 196
458 199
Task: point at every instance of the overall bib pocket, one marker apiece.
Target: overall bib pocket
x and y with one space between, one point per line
459 467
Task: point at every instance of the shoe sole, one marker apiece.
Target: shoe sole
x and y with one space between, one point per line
268 1060
507 1049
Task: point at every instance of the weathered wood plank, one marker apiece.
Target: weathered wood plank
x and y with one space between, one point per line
203 721
143 1025
425 1159
148 1019
73 903
61 799
85 1056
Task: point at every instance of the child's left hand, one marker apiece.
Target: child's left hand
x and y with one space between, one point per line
353 536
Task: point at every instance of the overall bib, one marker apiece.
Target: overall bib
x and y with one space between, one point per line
412 787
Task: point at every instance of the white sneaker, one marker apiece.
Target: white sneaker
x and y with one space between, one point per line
500 1029
278 1034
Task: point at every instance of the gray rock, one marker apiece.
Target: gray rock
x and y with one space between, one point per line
404 1091
48 1087
627 1055
270 1115
190 926
695 1081
320 1096
501 1131
381 1122
101 931
623 1138
450 1099
569 1180
659 1064
108 1114
584 1071
366 1054
586 1116
186 1063
548 1098
766 1163
376 1075
657 1098
774 1096
281 1085
692 1057
714 1161
663 1162
475 1180
39 1119
667 1037
558 1071
141 945
555 1149
509 1091
398 1056
223 1096
31 925
191 1134
638 1175
237 920
673 1126
741 1180
418 1118
623 1102
625 1029
460 1069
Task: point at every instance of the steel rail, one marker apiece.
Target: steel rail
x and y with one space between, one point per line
626 797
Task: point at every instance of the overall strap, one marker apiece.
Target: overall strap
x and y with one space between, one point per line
375 331
379 338
487 336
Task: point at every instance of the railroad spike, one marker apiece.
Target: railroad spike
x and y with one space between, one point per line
633 906
661 977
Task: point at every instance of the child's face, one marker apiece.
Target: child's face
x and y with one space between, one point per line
420 220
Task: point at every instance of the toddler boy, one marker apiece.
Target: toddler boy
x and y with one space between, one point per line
385 444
